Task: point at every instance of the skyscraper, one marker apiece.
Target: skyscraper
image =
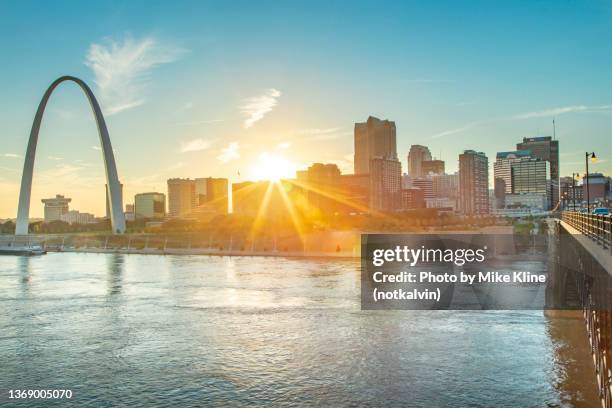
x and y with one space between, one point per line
473 182
532 176
181 197
432 167
212 193
502 167
545 148
385 184
416 156
373 138
322 185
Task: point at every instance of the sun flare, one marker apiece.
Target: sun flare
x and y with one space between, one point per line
272 167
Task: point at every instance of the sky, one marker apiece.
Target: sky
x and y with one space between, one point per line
255 89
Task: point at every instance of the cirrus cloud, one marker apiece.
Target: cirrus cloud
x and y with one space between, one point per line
121 69
256 107
229 153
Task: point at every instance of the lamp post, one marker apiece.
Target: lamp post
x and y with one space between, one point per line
574 177
592 156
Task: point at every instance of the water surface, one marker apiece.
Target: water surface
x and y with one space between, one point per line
148 330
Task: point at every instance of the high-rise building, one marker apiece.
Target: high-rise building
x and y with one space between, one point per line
429 167
426 185
545 148
373 138
473 182
501 167
149 205
416 156
531 176
355 189
323 187
181 197
56 207
445 185
385 184
212 194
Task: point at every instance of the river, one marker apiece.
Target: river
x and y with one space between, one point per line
155 330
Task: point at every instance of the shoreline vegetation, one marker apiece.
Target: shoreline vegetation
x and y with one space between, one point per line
314 244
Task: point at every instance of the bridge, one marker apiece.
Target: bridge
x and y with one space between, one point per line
580 272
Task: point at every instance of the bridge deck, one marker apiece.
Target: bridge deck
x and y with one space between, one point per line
601 254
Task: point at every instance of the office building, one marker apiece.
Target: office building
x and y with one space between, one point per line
322 184
56 207
445 185
473 182
355 189
149 205
545 148
181 197
385 184
426 185
416 156
502 165
599 188
429 167
373 138
412 198
212 194
76 217
531 176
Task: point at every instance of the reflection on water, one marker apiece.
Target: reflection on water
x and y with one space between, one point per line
135 330
115 272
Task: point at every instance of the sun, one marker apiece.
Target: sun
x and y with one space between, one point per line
272 167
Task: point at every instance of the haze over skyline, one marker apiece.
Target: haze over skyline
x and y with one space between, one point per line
213 89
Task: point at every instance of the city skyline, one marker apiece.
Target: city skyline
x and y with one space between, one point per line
186 101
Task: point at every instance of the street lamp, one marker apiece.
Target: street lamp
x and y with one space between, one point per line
588 156
575 176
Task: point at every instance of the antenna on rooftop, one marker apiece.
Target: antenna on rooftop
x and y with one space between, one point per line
554 130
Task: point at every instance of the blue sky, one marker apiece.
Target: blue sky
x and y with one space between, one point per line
195 89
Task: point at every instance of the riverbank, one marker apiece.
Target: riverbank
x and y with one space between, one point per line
211 252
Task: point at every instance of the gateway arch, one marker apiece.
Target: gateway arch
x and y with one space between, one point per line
112 180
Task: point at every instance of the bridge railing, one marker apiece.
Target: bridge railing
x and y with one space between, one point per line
597 227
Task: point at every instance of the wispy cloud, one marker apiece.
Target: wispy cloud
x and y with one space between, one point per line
562 110
11 155
283 145
96 147
195 145
55 158
256 107
460 129
121 69
323 133
229 153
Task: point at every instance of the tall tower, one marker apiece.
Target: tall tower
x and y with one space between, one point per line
374 138
473 182
416 156
545 148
